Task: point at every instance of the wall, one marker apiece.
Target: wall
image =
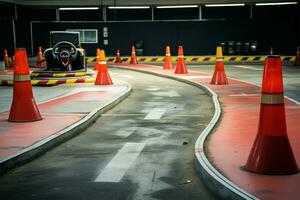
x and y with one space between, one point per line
6 33
197 37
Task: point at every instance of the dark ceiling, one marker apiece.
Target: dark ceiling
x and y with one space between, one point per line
129 2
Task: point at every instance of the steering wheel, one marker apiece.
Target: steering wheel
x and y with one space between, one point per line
65 52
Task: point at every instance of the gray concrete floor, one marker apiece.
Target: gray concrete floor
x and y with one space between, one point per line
161 150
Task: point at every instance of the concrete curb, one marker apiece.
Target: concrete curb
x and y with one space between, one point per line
54 140
218 183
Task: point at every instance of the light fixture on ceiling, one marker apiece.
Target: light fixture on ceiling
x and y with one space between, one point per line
178 6
128 7
225 5
275 4
80 8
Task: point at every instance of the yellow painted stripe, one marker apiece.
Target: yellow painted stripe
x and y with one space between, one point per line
34 82
34 74
161 59
203 58
89 80
52 82
188 59
59 75
71 81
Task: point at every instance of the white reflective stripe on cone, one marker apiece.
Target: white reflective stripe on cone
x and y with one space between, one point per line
272 99
219 59
25 77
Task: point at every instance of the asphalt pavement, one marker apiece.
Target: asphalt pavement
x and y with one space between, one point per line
141 149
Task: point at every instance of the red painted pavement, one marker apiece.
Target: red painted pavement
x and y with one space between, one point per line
231 142
14 137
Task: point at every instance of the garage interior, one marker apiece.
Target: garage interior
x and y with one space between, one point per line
156 99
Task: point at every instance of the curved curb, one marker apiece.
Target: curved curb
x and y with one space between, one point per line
54 140
218 183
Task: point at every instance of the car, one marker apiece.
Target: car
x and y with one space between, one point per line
65 52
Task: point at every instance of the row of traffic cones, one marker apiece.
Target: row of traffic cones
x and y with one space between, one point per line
133 59
9 63
271 152
23 107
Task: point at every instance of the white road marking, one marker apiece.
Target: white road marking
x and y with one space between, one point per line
126 76
125 115
153 88
171 93
125 132
156 113
195 77
247 67
243 95
118 166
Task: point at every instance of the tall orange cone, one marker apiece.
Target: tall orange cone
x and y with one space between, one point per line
7 61
103 77
180 67
97 60
219 77
23 107
271 152
118 57
168 60
133 59
297 59
40 59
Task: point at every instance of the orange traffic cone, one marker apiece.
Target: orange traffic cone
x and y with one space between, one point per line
118 58
23 107
7 61
180 67
271 51
271 152
297 59
40 60
133 59
97 60
103 77
219 76
168 60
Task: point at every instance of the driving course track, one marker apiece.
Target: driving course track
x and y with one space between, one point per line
144 144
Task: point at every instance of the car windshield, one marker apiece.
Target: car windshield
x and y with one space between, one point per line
72 37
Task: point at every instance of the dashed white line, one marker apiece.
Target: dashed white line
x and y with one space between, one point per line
153 88
171 93
125 132
155 113
118 166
